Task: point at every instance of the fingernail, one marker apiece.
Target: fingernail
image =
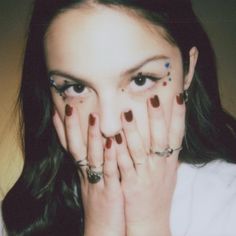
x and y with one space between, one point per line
68 110
155 101
180 99
118 138
108 143
92 120
129 116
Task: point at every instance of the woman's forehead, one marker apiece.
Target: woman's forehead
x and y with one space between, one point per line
102 38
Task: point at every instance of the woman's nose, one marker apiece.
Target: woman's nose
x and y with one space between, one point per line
110 118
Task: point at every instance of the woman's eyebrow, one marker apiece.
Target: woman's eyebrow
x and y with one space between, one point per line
68 76
125 73
143 62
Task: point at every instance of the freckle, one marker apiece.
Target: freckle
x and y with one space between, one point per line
164 83
81 102
168 73
122 90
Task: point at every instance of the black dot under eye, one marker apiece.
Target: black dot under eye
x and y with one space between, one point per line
140 80
78 88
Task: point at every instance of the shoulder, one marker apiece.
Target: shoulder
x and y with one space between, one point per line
2 228
204 202
218 174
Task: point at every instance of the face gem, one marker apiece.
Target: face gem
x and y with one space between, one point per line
167 65
170 79
52 82
164 83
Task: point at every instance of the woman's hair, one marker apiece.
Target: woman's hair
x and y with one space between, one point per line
46 199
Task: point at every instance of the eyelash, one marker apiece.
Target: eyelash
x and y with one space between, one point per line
145 76
62 89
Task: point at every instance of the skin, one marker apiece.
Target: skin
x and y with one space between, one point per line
100 45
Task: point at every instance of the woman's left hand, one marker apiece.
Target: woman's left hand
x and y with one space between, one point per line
148 180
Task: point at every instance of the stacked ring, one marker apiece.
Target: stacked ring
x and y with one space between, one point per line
167 151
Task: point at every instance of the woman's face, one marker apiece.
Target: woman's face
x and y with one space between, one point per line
105 61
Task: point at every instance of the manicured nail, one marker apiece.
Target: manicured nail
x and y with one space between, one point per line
155 101
92 120
180 99
68 110
108 143
129 116
118 138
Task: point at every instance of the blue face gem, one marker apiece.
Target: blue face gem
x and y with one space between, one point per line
167 65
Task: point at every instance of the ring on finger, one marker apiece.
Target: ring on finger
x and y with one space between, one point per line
93 175
167 151
81 163
94 167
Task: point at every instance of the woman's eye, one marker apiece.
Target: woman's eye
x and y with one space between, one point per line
142 82
73 90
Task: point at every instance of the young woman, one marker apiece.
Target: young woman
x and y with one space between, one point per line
124 133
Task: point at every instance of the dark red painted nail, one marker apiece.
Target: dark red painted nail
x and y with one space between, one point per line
68 110
129 116
118 138
92 120
155 101
108 143
180 98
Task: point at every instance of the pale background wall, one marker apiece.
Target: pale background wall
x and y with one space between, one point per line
218 17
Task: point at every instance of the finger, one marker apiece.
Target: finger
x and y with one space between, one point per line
157 125
95 144
176 131
177 124
134 141
75 143
125 163
59 127
111 173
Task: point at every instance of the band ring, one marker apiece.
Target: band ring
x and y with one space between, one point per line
81 163
167 151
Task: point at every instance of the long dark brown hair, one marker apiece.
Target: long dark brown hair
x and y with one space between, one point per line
46 199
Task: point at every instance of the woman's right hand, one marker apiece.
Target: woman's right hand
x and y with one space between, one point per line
102 201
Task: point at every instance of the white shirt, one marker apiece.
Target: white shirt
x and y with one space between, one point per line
204 201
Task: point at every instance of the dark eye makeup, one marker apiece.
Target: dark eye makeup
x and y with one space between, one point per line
141 78
78 87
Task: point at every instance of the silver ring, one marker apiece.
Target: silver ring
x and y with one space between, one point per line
95 167
167 151
81 163
94 176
